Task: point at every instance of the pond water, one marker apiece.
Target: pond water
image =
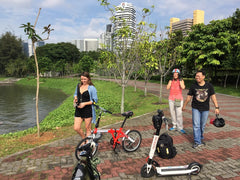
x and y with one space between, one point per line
18 106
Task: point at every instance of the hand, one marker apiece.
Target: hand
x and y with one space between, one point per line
81 105
75 100
216 111
183 108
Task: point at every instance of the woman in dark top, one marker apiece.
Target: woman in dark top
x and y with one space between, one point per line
85 95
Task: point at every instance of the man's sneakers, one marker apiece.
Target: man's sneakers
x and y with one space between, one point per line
196 145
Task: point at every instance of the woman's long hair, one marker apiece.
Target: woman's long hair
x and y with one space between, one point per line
86 74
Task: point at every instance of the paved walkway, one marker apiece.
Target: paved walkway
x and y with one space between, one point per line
220 157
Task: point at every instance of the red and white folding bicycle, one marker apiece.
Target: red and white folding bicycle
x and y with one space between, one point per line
131 139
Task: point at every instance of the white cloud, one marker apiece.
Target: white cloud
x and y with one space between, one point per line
15 3
51 3
95 28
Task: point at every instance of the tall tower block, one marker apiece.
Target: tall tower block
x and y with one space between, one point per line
173 20
198 17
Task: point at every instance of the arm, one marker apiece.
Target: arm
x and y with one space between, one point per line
214 99
169 84
75 96
186 102
94 94
182 85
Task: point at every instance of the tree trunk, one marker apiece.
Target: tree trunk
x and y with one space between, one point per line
160 90
237 80
122 101
37 90
135 83
225 81
123 84
145 88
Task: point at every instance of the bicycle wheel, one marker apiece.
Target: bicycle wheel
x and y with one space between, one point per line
79 150
133 141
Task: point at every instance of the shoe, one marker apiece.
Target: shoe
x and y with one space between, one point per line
172 128
196 145
203 143
183 131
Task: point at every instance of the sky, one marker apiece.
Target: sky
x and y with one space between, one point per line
79 19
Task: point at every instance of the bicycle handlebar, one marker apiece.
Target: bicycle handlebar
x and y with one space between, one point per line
104 110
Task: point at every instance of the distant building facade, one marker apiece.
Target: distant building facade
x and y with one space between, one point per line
186 24
28 47
105 40
86 44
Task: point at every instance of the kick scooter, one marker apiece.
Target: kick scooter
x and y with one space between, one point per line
152 167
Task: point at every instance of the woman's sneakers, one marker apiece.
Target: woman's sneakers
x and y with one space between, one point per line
183 131
174 129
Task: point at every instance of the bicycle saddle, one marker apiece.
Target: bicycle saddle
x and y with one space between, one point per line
127 114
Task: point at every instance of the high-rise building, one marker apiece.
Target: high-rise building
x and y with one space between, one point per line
173 20
86 44
105 40
125 16
198 17
186 24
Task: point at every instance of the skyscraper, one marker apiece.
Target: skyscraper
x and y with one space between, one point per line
125 16
186 24
105 40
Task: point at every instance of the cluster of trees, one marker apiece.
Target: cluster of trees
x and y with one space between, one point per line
63 58
215 47
12 59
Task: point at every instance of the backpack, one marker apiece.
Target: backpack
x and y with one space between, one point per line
165 148
79 171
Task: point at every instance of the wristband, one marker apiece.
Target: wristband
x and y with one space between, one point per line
216 107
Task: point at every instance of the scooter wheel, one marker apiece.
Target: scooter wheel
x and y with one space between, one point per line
144 172
195 167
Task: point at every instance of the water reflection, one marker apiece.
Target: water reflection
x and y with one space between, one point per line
18 106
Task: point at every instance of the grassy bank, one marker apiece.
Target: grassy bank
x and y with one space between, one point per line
58 123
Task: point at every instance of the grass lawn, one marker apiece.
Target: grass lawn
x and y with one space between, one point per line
59 123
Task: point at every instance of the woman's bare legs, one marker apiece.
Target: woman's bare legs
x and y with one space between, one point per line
77 126
88 126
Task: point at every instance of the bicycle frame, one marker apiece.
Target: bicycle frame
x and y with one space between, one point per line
116 133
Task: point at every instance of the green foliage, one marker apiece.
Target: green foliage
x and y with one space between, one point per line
17 68
56 52
86 63
11 50
44 64
30 32
213 46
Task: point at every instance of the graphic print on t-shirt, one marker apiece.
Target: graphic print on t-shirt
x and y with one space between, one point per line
201 95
